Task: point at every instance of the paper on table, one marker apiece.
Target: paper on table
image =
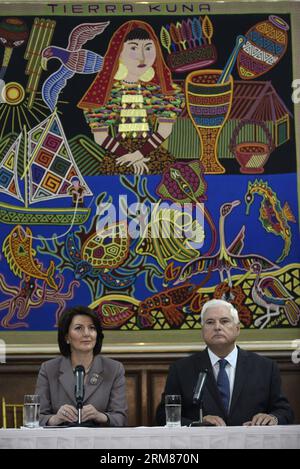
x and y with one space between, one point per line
29 428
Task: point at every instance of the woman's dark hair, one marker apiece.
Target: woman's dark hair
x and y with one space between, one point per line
137 33
64 324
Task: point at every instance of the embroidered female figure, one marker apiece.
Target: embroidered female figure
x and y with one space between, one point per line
132 104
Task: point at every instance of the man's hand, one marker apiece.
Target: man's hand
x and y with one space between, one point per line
262 420
214 420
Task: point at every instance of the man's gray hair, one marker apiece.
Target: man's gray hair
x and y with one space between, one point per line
214 304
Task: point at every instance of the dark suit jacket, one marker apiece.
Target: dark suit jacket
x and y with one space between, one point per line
56 384
257 389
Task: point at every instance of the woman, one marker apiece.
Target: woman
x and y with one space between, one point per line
132 104
80 340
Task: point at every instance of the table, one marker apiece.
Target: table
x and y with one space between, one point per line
182 438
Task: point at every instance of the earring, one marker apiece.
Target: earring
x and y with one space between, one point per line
148 75
122 72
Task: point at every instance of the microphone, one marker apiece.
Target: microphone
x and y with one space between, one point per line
79 389
197 399
198 392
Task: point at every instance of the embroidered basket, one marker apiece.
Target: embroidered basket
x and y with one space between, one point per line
252 156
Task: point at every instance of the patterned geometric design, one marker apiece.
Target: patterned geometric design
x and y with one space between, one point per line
63 152
37 173
9 164
12 188
52 154
209 122
41 193
8 171
107 248
43 158
33 188
208 100
64 187
71 173
208 111
52 142
36 135
51 182
60 166
265 46
54 129
31 217
5 178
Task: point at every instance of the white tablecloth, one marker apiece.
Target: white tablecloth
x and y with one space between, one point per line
153 438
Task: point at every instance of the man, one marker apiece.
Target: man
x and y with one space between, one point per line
242 388
77 191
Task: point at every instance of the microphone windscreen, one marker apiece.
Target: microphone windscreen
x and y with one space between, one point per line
79 384
198 391
80 369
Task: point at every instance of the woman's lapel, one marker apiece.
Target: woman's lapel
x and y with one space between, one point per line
94 377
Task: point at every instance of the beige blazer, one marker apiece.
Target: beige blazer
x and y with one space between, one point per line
104 388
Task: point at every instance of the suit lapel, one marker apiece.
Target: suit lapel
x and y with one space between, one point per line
92 382
240 378
94 378
66 378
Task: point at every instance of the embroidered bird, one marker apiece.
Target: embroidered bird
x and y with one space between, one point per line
226 258
271 294
74 59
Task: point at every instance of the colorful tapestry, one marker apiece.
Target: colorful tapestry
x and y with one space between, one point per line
148 163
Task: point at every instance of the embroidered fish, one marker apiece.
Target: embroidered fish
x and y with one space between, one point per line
168 235
18 251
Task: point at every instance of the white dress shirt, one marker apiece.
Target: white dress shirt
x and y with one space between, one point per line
230 367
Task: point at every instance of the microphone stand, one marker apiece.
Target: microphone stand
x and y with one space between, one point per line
200 422
79 408
79 391
198 400
201 412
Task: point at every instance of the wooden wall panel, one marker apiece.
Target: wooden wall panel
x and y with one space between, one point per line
133 392
157 381
145 377
15 381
